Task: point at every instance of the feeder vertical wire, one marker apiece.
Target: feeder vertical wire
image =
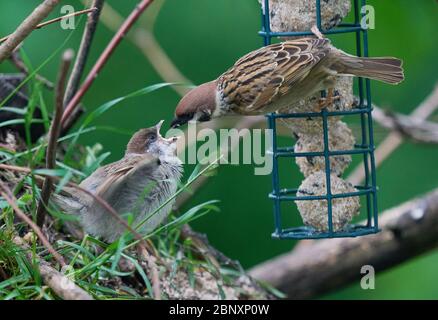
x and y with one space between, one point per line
370 131
275 177
364 142
266 23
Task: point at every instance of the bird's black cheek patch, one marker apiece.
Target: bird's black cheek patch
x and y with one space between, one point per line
204 117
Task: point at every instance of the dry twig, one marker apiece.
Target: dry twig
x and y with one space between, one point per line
54 132
39 26
3 274
26 27
84 49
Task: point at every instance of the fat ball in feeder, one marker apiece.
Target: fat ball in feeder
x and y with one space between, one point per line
314 212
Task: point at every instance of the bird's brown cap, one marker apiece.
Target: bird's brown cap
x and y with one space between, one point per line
143 137
200 99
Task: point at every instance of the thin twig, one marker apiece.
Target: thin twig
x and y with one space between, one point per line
84 49
54 132
62 285
26 27
7 194
39 26
394 139
19 64
100 63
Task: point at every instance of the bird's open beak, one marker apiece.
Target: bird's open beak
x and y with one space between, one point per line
158 125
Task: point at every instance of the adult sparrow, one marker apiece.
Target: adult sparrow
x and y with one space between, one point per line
138 184
278 75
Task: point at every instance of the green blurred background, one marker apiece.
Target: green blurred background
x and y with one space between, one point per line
204 38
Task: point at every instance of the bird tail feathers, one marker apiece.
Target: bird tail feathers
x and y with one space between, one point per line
385 69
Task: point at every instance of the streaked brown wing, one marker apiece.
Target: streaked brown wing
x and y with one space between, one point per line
265 75
119 173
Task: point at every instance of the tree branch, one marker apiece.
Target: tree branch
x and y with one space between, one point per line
26 27
408 230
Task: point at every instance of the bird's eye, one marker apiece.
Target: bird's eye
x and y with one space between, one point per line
152 137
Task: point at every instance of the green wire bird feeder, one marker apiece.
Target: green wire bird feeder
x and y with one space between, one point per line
364 147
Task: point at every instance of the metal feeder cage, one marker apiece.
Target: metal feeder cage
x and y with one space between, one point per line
365 147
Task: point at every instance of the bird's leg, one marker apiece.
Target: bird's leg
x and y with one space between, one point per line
328 100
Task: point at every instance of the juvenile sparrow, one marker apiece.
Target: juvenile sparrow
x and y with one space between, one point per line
278 75
139 183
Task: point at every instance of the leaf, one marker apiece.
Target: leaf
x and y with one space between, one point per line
20 111
18 121
50 172
65 179
118 254
141 273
